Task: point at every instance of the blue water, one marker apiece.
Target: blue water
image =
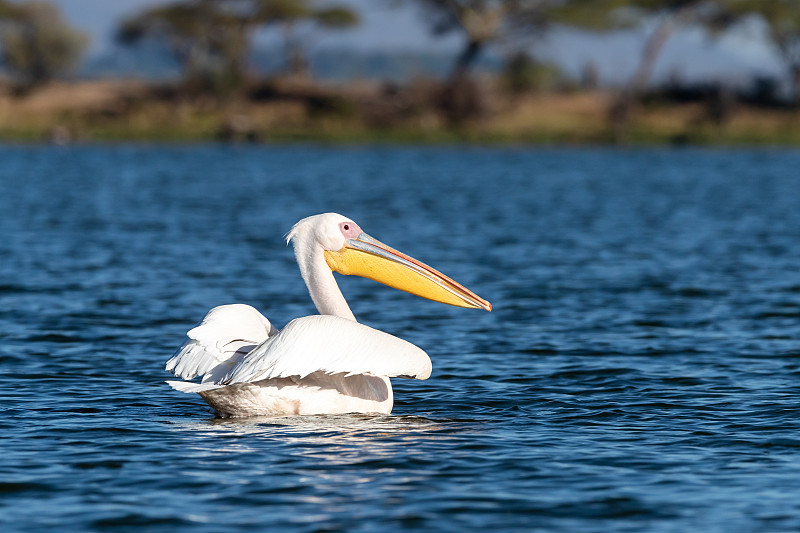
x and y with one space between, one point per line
640 370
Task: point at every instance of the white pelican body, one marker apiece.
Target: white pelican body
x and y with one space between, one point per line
320 364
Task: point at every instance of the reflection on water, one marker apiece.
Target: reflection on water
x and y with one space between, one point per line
321 455
337 439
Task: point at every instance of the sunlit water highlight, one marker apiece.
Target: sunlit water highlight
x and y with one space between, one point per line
639 371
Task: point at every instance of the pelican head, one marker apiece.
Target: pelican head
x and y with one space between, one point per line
347 249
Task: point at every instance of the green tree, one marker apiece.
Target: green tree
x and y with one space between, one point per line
669 15
206 41
211 39
783 19
291 13
481 23
7 10
36 44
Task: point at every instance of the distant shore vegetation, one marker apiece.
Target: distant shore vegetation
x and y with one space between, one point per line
219 94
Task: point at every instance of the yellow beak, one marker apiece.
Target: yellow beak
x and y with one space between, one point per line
370 258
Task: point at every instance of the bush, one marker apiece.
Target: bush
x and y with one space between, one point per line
37 45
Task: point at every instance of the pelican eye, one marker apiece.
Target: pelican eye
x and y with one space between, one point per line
349 229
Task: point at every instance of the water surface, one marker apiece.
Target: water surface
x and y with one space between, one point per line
639 371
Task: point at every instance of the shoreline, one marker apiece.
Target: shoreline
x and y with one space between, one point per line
358 114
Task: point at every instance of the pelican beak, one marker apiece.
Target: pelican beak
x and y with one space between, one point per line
370 258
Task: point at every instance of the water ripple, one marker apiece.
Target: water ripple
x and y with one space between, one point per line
639 371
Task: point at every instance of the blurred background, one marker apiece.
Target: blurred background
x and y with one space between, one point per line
535 71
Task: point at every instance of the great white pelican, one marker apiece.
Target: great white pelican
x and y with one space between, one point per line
320 364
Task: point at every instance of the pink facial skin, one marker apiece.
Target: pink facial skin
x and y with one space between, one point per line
350 230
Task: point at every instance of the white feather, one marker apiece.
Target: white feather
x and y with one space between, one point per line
333 345
225 334
189 386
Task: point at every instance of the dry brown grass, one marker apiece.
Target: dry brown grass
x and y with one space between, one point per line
117 110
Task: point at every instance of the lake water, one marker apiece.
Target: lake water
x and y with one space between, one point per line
640 370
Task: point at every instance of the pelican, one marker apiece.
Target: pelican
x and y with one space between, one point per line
320 364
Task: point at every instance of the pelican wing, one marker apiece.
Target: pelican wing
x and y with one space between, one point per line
332 345
221 339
